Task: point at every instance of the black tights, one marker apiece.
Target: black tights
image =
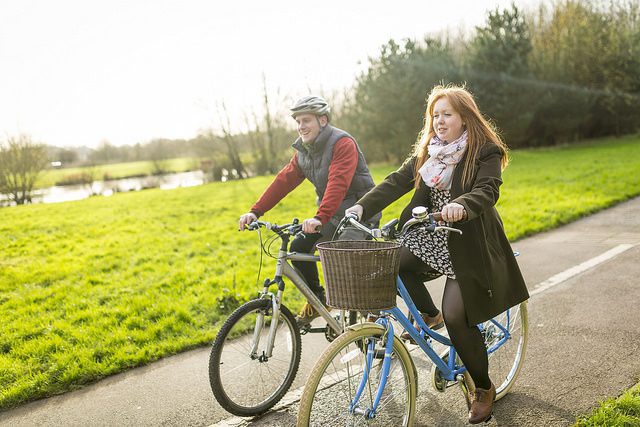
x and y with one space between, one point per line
467 340
412 271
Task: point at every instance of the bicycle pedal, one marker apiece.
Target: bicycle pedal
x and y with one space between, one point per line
305 329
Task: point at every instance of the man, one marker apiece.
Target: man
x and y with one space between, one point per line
331 159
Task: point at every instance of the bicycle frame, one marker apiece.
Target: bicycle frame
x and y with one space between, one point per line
285 269
450 370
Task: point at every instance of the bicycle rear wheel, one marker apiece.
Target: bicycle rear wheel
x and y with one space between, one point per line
336 375
247 383
505 363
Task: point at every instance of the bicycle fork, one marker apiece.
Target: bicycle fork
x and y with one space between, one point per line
273 327
388 338
275 312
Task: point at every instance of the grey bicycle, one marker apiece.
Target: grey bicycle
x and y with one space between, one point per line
256 353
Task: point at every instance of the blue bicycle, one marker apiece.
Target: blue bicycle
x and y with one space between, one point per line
368 377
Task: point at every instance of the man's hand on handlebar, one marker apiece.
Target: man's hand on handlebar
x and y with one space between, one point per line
246 219
311 225
357 210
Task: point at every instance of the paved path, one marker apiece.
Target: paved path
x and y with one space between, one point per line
584 347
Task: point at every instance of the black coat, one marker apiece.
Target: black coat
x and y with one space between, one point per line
482 258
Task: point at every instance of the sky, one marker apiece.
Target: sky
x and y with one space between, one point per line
77 73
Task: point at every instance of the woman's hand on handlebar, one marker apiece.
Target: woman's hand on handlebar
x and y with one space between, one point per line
311 225
453 212
246 219
357 210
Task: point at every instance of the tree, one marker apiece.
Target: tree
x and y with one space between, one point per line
587 54
21 161
159 156
499 75
231 144
269 122
386 110
105 153
66 156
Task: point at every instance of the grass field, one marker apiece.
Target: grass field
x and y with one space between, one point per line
621 411
94 287
49 177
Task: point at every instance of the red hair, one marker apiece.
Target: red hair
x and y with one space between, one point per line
479 130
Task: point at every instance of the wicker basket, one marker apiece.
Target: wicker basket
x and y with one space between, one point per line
360 274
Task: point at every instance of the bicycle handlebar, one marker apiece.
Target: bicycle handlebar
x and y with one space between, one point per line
387 231
292 228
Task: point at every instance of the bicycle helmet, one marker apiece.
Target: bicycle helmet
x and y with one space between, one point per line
311 104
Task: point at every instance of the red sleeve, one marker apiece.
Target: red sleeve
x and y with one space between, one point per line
341 171
287 179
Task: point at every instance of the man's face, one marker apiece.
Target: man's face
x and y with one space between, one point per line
309 126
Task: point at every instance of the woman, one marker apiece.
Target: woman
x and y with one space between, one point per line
456 168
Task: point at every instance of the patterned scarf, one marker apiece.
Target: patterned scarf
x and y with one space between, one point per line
437 171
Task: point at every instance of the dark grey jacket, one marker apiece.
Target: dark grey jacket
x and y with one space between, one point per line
314 161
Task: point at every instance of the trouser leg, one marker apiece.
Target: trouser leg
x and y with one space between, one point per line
305 243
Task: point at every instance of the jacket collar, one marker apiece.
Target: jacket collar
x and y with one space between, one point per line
316 146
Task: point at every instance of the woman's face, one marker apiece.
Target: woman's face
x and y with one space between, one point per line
447 122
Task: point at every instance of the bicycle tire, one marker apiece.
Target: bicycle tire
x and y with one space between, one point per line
244 385
506 362
335 376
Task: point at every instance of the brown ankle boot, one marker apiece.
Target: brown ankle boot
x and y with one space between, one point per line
435 322
482 405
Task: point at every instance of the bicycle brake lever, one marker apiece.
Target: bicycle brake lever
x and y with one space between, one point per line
442 227
342 224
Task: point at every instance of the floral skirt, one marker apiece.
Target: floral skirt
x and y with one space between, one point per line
431 248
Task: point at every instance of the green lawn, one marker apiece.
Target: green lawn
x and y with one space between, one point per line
94 287
49 177
623 411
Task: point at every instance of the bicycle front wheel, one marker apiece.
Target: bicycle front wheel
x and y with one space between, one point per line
506 361
332 385
244 380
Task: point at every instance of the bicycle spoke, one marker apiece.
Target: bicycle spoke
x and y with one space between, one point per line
248 384
339 373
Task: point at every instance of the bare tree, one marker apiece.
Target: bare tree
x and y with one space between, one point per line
21 161
271 140
258 146
231 143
